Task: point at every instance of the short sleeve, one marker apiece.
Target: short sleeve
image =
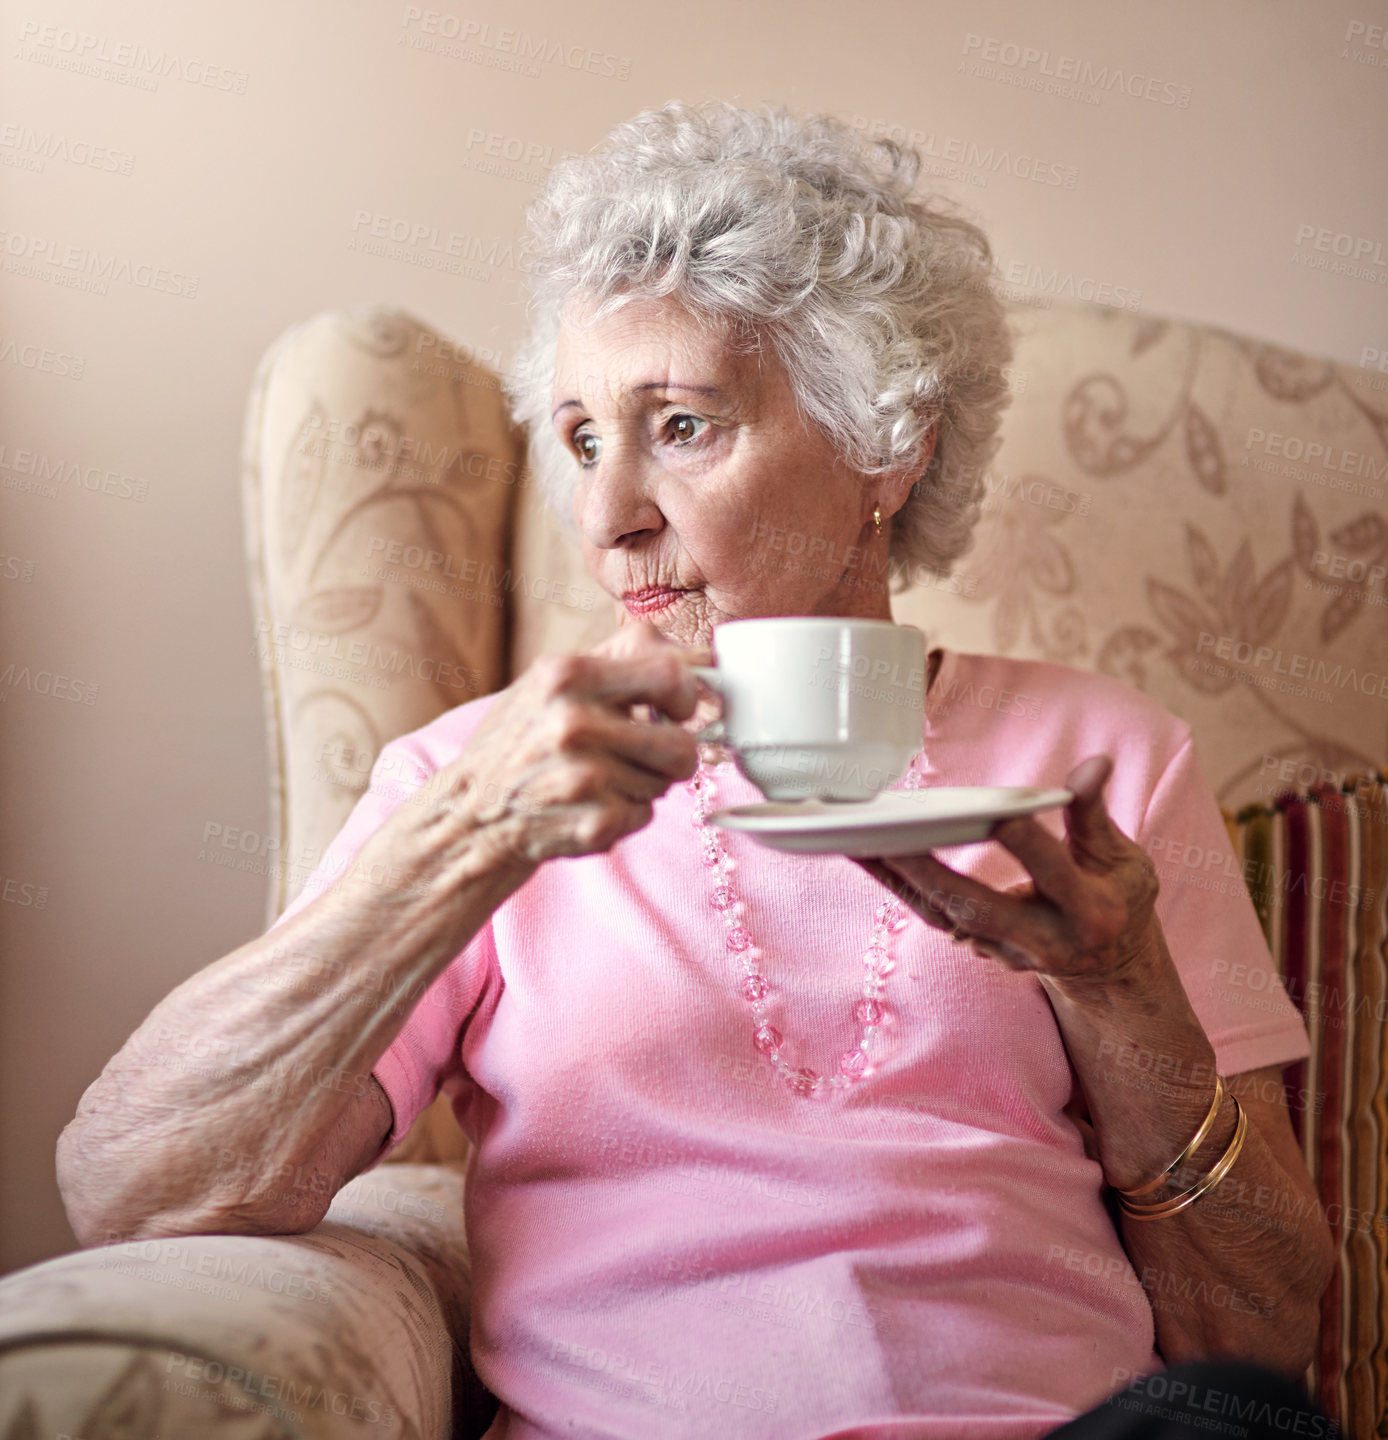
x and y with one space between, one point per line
426 1055
1211 927
395 777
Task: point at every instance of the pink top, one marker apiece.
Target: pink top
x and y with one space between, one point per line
666 1241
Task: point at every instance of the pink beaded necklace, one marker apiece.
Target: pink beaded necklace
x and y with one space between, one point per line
869 1011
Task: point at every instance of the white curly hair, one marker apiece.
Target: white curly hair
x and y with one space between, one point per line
804 235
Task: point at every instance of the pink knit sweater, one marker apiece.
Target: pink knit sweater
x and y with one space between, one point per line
667 1242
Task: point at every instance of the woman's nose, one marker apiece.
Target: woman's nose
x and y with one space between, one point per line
614 501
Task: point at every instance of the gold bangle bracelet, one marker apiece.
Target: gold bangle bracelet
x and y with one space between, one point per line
1196 1141
1179 1202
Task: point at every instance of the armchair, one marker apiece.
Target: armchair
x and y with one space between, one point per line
1191 510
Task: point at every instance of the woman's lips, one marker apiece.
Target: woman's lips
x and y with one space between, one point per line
651 599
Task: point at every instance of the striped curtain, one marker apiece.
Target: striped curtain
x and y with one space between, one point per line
1316 863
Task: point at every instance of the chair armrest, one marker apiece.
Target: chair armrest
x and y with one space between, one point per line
357 1328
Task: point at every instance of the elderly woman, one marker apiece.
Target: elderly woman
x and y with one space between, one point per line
693 1209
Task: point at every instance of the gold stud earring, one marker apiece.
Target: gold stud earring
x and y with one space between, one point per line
877 517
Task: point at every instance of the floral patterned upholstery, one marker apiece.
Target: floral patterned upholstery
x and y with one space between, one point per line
1202 516
378 477
358 1328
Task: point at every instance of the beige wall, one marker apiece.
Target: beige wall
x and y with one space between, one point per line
235 210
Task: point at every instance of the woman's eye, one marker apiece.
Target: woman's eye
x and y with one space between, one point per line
588 446
685 428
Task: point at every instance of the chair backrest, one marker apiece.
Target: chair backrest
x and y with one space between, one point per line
1196 513
1193 511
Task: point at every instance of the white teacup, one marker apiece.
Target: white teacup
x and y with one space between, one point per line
818 706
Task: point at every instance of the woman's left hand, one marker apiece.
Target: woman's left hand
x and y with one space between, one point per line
1085 924
1086 915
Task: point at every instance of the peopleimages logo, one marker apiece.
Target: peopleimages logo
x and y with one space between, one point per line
50 471
1066 285
968 159
45 258
284 644
46 682
44 358
507 44
244 1387
1192 1396
32 147
1293 666
392 237
1322 454
1360 247
1337 252
79 50
1021 60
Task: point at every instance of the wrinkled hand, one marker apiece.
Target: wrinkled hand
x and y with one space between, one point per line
567 760
1085 916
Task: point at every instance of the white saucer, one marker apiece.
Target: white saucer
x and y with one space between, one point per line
897 822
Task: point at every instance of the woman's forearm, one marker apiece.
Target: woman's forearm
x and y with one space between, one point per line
1222 1280
229 1107
259 1066
1086 925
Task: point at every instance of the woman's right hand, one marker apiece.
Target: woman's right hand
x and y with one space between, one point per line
173 1139
561 765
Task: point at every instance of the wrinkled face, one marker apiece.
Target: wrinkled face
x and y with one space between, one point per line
702 495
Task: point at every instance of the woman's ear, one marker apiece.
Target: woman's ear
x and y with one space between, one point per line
900 481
